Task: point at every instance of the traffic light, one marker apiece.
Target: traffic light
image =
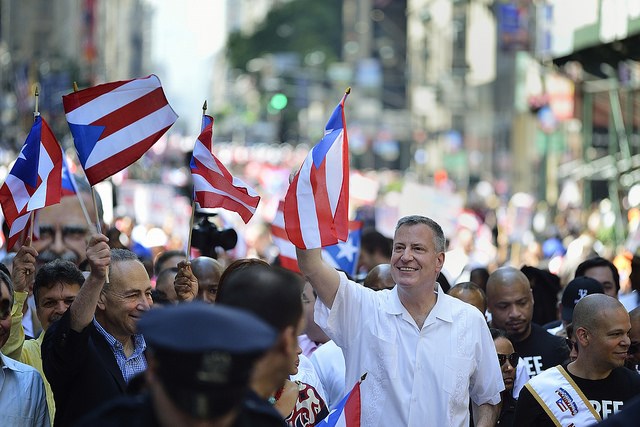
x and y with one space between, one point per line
278 102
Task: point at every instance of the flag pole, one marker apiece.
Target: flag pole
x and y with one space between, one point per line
36 113
95 205
82 205
193 201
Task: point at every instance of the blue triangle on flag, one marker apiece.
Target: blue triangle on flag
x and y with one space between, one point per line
345 254
85 137
26 166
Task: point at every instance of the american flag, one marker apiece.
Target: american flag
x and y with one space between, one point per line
34 180
213 185
317 201
114 124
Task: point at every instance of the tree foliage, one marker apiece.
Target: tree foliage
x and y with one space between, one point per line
300 26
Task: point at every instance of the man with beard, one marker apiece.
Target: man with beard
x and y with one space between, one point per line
593 386
56 285
510 302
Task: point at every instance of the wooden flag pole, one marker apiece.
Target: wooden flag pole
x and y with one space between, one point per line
193 202
95 204
82 205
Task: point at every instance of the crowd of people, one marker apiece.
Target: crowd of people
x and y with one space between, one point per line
91 335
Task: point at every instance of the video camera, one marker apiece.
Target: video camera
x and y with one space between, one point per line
206 237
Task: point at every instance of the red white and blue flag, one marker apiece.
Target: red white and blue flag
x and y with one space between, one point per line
347 412
114 124
69 187
288 257
344 255
317 201
34 180
213 185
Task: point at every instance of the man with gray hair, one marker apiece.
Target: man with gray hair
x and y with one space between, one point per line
413 340
91 353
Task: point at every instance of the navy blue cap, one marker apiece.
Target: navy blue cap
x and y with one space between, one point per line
577 289
199 328
204 354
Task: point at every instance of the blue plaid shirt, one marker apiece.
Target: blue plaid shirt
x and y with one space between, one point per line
129 366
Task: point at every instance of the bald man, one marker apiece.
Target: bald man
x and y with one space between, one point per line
593 386
379 278
470 293
510 302
198 279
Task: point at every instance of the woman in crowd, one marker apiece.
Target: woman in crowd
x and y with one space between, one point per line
508 359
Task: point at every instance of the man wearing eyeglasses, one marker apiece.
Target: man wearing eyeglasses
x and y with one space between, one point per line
593 386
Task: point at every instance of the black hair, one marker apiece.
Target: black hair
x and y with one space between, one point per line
498 333
54 272
599 262
163 257
373 241
271 293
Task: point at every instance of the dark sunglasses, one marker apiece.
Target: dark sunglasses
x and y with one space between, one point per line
512 358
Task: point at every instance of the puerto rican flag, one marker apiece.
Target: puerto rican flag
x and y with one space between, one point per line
213 185
114 124
288 257
34 180
317 201
347 412
344 255
69 187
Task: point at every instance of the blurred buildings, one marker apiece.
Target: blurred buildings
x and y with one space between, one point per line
55 43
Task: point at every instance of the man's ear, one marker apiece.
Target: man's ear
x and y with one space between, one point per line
102 301
582 336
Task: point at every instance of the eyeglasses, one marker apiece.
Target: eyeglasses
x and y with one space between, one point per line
512 358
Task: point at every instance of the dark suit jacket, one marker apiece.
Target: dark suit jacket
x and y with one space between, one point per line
81 369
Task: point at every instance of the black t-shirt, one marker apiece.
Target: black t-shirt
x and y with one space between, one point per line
541 350
607 397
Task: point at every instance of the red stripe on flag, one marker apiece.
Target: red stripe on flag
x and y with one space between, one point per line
291 215
353 407
222 184
289 263
323 207
208 199
279 232
121 160
84 96
132 112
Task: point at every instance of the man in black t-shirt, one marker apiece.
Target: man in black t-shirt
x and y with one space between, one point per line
601 326
510 303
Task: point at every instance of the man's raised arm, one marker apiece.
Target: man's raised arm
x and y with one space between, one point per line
323 278
83 307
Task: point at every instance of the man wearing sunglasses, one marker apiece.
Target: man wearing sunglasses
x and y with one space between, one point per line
593 386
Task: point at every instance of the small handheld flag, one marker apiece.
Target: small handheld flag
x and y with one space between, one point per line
317 201
114 124
347 412
34 181
213 185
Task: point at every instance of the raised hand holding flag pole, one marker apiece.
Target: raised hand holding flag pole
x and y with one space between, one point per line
317 202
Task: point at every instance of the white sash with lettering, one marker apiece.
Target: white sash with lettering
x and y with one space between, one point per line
562 399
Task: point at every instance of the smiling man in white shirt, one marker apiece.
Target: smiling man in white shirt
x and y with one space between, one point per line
426 354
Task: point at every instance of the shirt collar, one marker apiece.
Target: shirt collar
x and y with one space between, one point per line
441 310
139 344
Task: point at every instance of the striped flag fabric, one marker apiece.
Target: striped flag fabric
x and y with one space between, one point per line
317 201
114 124
288 257
347 412
34 180
213 185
